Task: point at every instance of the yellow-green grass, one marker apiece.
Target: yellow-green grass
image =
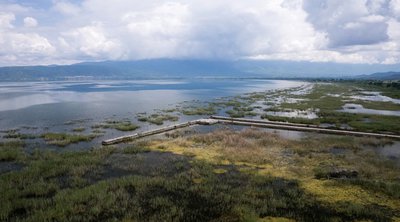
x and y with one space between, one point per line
247 175
262 153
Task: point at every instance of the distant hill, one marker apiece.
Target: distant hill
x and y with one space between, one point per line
175 68
143 69
381 76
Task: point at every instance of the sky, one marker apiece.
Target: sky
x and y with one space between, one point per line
70 31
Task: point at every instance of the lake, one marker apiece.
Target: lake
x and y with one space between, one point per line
53 103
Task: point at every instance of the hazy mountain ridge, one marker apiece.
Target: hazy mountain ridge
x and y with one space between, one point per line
172 68
381 76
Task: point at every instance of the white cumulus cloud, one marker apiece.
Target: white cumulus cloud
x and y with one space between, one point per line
30 22
90 41
6 19
351 31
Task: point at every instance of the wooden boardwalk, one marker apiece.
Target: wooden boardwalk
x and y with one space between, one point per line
158 131
299 127
249 122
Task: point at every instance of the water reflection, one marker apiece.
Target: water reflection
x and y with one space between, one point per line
357 108
306 114
391 151
51 103
375 96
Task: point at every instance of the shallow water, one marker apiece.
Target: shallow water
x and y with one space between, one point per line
306 114
391 151
357 108
375 96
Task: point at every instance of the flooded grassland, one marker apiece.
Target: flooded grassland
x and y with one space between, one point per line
213 173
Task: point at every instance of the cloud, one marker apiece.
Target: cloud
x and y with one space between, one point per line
27 48
395 8
30 22
6 20
90 41
66 8
158 32
349 23
354 31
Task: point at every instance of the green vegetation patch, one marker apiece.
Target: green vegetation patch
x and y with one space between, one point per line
240 112
21 136
328 98
64 139
389 88
78 129
11 151
76 121
158 119
26 193
378 105
124 125
322 103
339 170
243 176
136 148
53 187
376 123
208 110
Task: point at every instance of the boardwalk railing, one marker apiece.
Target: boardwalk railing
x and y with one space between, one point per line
298 127
158 131
249 122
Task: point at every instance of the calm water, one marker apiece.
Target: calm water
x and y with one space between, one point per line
357 108
54 103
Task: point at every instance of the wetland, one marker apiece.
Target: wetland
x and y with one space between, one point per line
53 167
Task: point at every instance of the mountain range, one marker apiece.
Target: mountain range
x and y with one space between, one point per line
174 68
381 76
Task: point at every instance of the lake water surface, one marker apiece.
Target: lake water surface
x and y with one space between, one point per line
54 103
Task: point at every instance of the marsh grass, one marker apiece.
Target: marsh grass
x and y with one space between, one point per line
378 105
390 188
98 131
387 88
207 110
76 121
19 136
136 148
201 193
325 98
158 118
254 181
171 110
123 125
64 139
12 151
243 175
33 188
240 112
78 129
376 123
267 154
322 103
320 98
